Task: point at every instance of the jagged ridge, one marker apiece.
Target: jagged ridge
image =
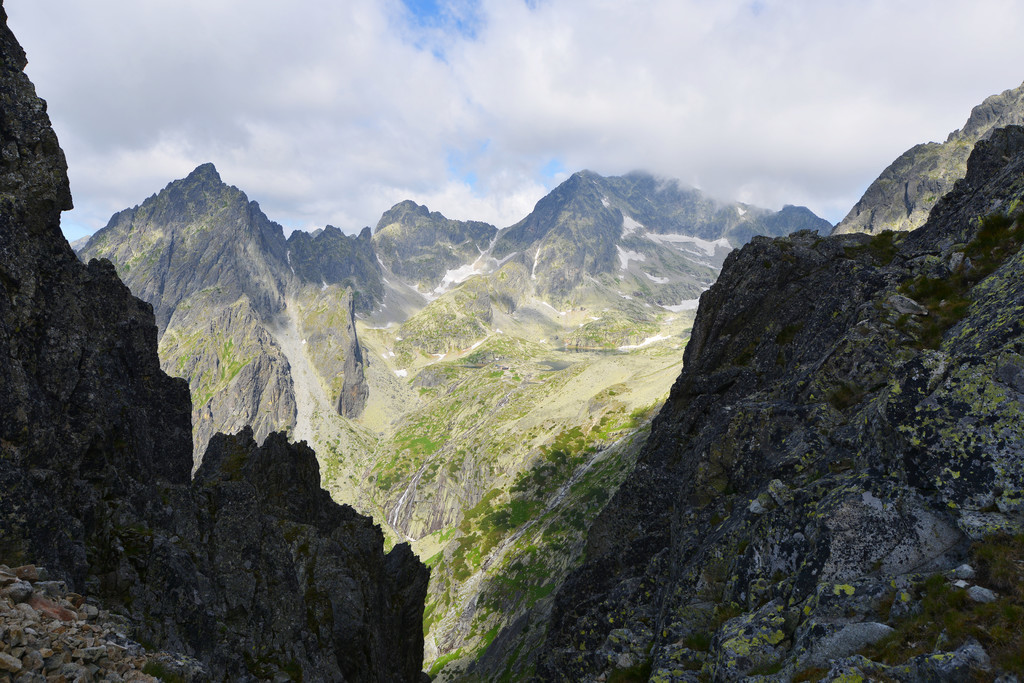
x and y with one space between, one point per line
905 192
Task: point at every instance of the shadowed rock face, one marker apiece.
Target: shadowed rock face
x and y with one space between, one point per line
354 389
250 568
828 429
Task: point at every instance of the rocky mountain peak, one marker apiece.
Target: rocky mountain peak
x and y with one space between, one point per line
196 234
204 173
422 245
405 211
996 111
905 192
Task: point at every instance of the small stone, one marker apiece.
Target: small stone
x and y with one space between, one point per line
53 662
980 594
27 572
9 663
27 613
52 588
91 654
964 571
32 660
761 504
88 611
906 305
780 492
51 609
17 592
961 584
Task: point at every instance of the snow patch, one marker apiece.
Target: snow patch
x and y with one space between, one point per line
626 256
545 303
629 226
457 276
323 285
604 200
659 280
645 342
707 246
401 373
686 305
741 211
483 265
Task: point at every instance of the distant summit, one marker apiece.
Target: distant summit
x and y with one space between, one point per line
903 195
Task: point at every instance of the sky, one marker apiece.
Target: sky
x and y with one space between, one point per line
331 112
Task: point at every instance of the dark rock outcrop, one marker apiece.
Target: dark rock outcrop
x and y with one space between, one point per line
354 390
250 568
845 423
330 257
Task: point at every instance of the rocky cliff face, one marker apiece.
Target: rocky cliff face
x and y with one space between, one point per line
903 195
250 568
421 246
353 390
330 257
844 434
220 276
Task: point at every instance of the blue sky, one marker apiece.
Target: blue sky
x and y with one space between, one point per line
333 112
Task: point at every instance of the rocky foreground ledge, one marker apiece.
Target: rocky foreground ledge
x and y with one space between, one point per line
49 633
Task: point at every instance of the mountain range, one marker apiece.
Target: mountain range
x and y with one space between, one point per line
825 486
435 364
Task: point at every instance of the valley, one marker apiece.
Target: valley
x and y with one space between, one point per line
501 381
640 435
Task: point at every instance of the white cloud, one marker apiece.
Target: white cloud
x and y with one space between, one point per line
331 112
